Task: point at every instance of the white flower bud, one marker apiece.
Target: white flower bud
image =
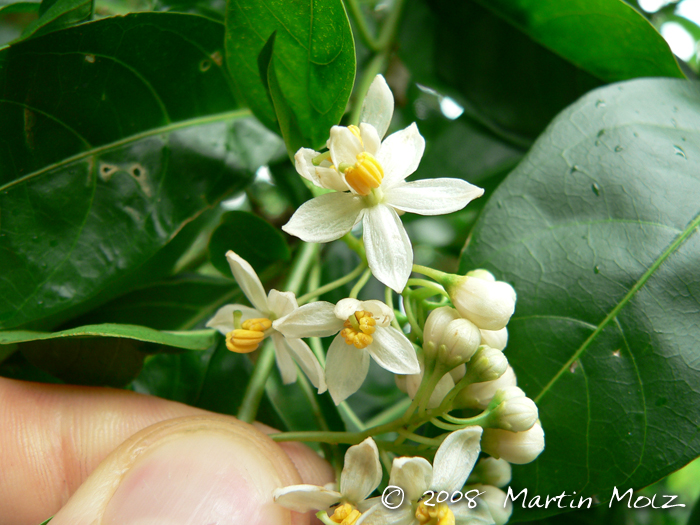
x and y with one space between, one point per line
458 373
515 447
516 414
499 507
401 382
489 305
491 471
482 274
488 364
479 395
495 338
436 324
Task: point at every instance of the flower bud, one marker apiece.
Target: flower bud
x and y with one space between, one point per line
487 364
491 471
436 324
400 380
516 413
458 373
499 506
495 338
479 395
482 274
489 305
515 447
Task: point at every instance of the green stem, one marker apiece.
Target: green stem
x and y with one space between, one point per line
361 24
375 66
256 385
430 272
356 245
420 439
332 285
350 415
428 287
317 349
481 419
389 30
389 301
417 330
390 413
322 516
362 281
305 258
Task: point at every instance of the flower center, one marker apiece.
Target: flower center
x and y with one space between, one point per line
345 514
245 339
365 175
440 514
359 329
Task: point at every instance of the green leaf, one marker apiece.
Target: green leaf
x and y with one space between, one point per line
19 7
116 135
314 60
597 231
251 237
607 38
57 14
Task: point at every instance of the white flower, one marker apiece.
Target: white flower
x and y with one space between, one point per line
454 461
365 331
487 303
256 325
369 178
361 474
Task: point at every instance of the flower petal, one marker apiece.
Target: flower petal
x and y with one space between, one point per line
323 176
432 196
285 362
281 303
303 498
370 139
311 320
346 307
393 351
345 146
346 369
388 248
382 314
456 458
466 516
248 280
378 106
413 475
400 155
362 472
306 359
223 319
380 515
325 218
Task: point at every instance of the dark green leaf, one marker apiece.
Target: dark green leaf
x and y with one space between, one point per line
251 237
314 61
57 14
607 38
19 7
116 134
597 230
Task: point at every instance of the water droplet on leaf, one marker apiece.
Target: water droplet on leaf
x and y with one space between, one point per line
600 104
596 269
618 148
595 188
679 151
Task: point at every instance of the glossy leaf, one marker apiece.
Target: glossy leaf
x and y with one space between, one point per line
314 60
607 38
597 230
58 14
251 237
116 134
19 7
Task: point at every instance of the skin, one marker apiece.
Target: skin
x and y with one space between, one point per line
107 456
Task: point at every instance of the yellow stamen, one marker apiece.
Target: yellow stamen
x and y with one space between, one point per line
359 329
345 514
440 514
355 131
247 338
365 175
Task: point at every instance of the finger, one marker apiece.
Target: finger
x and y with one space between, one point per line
192 470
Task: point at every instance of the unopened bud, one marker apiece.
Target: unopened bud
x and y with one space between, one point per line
500 507
495 338
487 364
458 373
479 395
516 414
400 380
487 304
482 274
436 324
515 447
491 471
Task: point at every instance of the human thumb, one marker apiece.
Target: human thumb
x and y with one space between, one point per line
194 470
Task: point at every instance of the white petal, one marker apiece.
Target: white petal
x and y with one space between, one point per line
388 248
400 155
306 359
432 196
370 139
303 498
281 303
346 369
383 516
362 472
413 475
393 351
311 320
456 458
285 362
382 314
223 319
345 146
248 280
323 176
325 218
346 307
378 106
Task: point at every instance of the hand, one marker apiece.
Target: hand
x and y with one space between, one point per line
124 458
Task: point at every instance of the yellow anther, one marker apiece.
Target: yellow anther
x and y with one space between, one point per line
365 175
355 131
345 514
359 329
259 325
440 514
243 341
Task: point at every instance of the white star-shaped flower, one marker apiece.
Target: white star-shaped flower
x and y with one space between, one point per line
257 325
363 329
369 178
